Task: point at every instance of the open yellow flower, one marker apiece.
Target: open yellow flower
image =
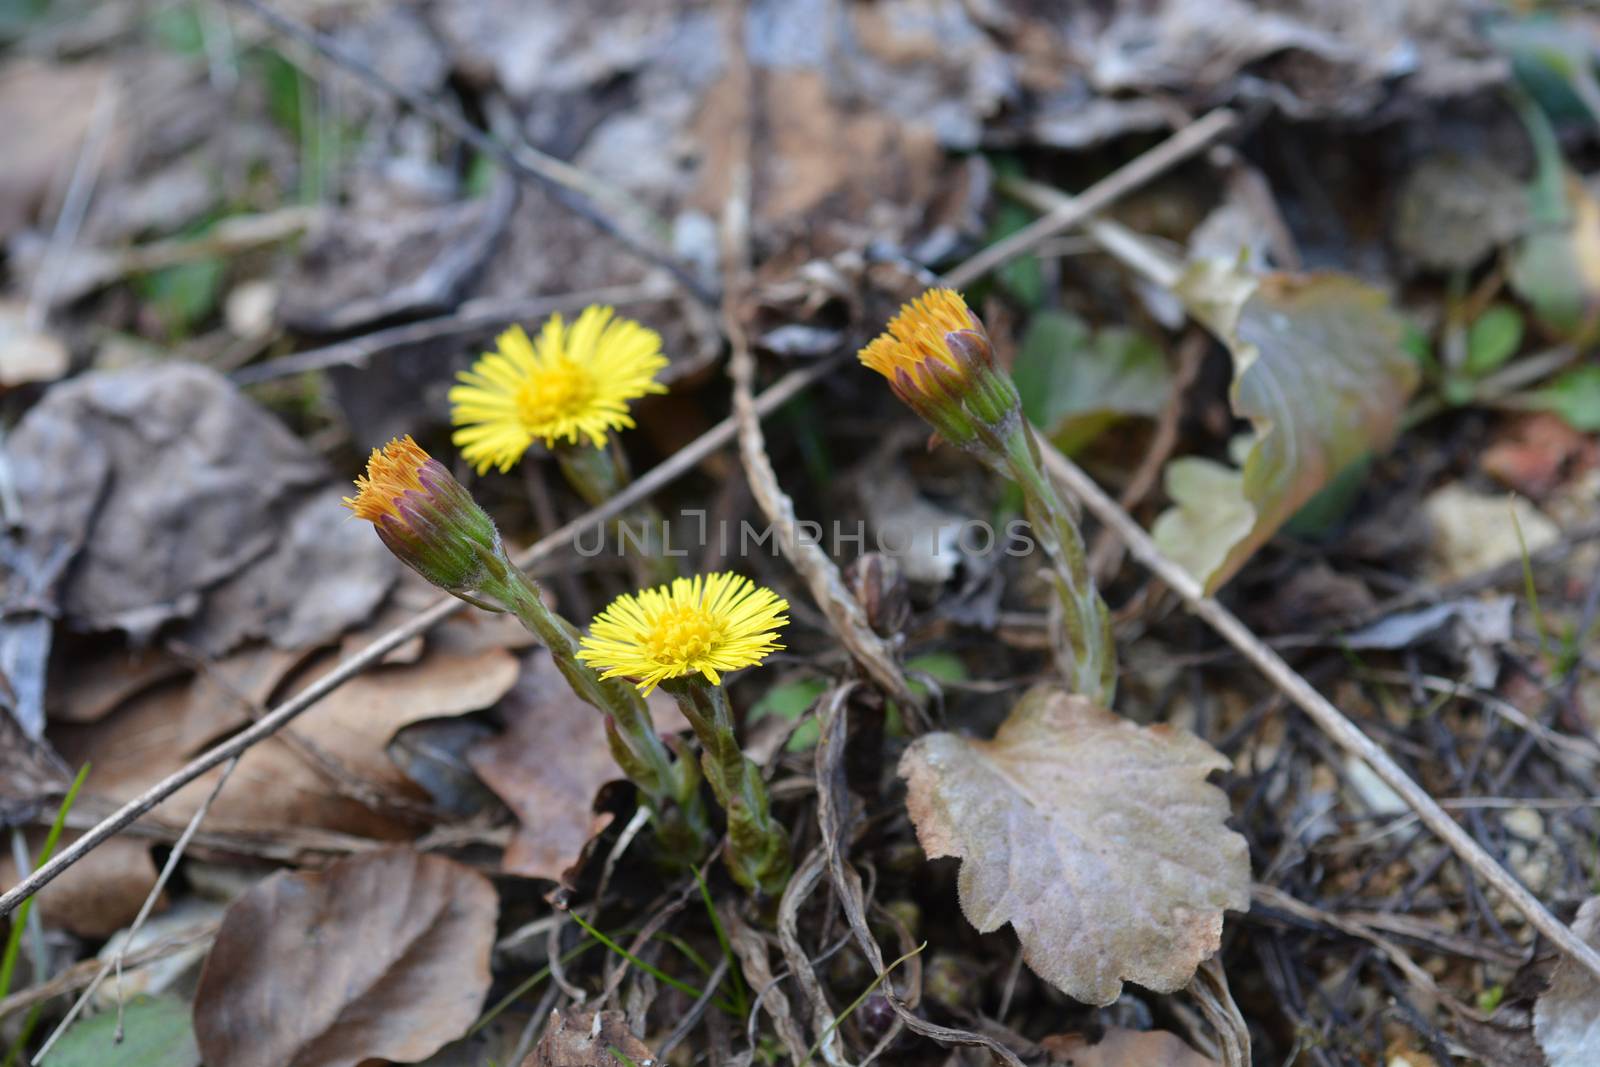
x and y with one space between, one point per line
573 381
703 625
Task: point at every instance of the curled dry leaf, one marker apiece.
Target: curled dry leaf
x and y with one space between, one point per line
1320 373
330 769
590 1039
1098 840
177 500
1124 1048
1566 1017
384 955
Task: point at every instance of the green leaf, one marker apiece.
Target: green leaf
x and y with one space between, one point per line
1575 396
1322 374
1494 338
184 295
942 666
790 700
1075 383
157 1032
1556 267
1023 277
1318 516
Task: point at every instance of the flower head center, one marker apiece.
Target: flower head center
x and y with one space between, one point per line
684 634
560 390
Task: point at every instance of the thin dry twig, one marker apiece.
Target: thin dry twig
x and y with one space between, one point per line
820 573
831 822
1180 146
1330 719
1106 556
84 971
674 467
74 206
117 961
1277 899
471 317
563 182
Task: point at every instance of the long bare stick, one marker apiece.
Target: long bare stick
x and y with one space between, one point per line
1174 150
674 467
821 574
1329 718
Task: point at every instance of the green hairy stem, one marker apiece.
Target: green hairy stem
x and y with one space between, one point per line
669 788
597 475
758 848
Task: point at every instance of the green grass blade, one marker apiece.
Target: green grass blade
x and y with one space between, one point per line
856 1003
19 921
655 972
741 999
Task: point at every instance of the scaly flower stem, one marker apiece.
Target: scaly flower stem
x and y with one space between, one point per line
597 475
670 788
758 848
1090 656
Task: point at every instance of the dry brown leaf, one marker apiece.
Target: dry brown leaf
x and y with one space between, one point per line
179 500
548 766
46 108
1124 1048
31 774
325 772
1566 1017
98 895
87 684
1100 841
381 955
589 1039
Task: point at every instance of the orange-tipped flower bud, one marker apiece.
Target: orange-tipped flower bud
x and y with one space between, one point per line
937 358
426 517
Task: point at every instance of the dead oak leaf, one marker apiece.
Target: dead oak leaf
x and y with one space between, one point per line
384 955
1566 1017
1099 840
548 766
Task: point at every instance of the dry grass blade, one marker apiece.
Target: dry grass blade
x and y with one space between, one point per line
831 812
1327 717
679 464
751 948
1210 990
805 879
820 573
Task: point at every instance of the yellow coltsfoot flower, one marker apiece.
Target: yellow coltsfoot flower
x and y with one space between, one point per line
572 382
426 517
938 359
703 625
